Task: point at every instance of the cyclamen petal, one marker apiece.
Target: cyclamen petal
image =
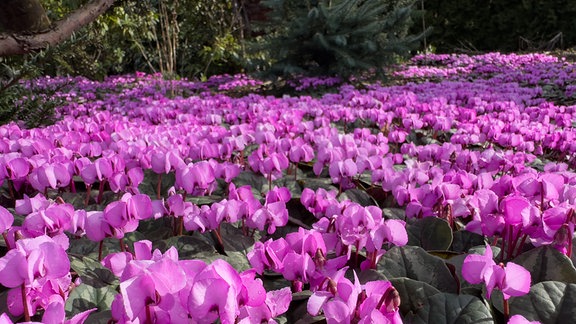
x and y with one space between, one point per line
475 265
137 292
517 281
279 301
337 312
211 299
6 219
13 269
519 319
512 208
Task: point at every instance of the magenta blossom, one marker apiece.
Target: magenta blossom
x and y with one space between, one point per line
39 267
512 279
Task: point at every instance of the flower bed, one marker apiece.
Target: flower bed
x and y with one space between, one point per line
449 198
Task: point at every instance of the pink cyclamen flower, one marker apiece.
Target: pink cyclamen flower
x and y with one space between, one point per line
40 267
218 291
512 279
519 319
276 303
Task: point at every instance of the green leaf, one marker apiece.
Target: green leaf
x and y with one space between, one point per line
413 294
237 259
430 233
358 196
288 182
545 263
415 263
547 302
234 239
85 297
463 240
394 213
370 275
194 246
84 247
315 183
92 273
156 229
254 180
204 200
298 213
449 308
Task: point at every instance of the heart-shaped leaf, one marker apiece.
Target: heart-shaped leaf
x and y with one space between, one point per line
194 246
234 239
254 180
547 302
452 309
85 297
545 263
430 233
463 240
358 196
394 213
156 229
413 294
149 184
415 263
370 275
92 273
314 183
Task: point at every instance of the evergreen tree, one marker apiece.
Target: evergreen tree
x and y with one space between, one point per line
337 37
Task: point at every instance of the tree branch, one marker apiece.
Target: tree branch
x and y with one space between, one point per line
16 44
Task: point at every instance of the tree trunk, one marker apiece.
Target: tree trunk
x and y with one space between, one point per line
20 16
28 28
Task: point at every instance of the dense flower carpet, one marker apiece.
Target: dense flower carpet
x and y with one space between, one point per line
447 197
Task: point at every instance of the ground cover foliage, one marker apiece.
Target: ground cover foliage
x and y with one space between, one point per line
446 198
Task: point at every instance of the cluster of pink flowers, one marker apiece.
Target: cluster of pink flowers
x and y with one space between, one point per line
156 287
459 150
305 83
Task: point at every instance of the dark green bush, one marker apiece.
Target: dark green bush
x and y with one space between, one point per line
503 25
337 37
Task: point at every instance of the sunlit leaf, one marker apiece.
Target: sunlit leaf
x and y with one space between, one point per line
449 308
414 263
430 233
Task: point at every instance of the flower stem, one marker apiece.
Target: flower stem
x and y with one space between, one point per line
570 238
11 189
122 247
101 191
101 245
219 243
506 309
148 315
87 200
519 249
159 186
5 236
25 303
511 241
503 243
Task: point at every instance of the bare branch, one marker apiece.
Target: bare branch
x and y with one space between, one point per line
16 44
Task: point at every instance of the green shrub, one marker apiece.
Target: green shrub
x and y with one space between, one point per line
337 37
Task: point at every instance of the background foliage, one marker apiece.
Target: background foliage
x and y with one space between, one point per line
339 37
136 35
503 25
